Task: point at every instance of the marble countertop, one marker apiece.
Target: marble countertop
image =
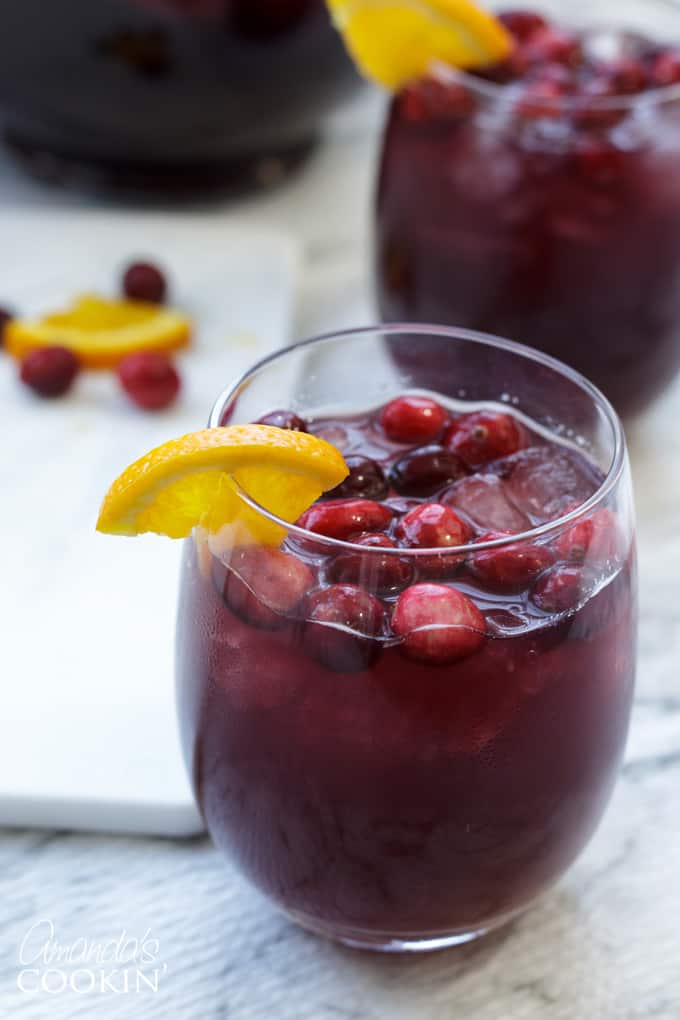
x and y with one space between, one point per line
604 945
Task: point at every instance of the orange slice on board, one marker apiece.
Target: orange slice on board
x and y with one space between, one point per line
101 332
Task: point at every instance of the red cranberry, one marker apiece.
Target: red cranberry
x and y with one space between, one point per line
143 281
49 371
666 69
560 589
150 379
598 161
483 436
430 99
423 471
413 419
553 46
522 24
555 74
263 586
542 98
342 518
284 420
5 318
627 76
515 65
431 526
596 538
438 624
383 574
512 566
342 625
366 479
595 106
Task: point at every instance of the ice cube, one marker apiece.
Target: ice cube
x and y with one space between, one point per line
603 45
484 501
543 481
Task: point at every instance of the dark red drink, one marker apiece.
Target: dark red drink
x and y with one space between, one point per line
403 724
541 201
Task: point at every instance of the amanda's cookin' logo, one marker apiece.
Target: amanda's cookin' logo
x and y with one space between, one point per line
119 966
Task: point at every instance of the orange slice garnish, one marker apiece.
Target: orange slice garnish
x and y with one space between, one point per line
394 42
100 332
193 482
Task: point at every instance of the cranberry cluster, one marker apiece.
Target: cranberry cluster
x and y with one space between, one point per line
549 65
148 377
421 492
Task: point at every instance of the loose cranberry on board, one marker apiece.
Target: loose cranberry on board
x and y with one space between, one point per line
150 379
143 281
49 371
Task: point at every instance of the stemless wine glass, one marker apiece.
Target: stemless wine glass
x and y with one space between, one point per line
411 787
550 216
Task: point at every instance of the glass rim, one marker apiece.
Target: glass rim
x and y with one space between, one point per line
557 526
492 90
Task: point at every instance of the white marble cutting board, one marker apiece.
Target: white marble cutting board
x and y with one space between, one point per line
88 736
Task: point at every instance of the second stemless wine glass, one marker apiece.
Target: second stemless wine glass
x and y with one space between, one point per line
553 220
376 792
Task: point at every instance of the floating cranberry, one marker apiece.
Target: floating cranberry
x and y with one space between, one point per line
596 105
413 419
284 420
430 99
512 566
553 46
596 538
432 526
483 436
555 74
522 24
263 586
366 479
666 69
142 281
423 471
5 318
560 589
383 574
49 371
343 623
627 75
343 518
150 379
437 624
542 98
599 162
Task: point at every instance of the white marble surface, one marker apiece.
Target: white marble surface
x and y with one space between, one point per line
604 945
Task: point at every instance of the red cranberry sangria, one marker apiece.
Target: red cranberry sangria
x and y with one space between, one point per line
404 722
541 199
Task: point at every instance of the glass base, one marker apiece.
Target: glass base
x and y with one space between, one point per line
384 942
163 179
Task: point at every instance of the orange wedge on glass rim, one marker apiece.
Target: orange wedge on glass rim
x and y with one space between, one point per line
101 332
193 482
394 42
